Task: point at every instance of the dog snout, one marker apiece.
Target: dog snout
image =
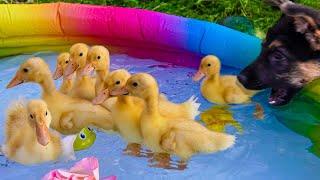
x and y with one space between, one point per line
242 79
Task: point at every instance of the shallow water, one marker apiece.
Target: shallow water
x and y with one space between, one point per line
266 149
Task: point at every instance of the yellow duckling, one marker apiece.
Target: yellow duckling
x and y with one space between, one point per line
35 143
84 86
177 136
220 89
99 60
67 82
126 110
69 115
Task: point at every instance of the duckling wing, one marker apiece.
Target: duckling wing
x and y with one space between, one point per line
17 117
185 138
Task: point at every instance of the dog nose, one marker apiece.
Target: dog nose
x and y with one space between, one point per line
242 78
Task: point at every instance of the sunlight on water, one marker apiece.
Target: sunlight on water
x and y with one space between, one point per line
265 150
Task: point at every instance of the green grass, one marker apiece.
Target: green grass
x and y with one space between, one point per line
262 15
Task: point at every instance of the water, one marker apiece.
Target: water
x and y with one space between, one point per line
266 149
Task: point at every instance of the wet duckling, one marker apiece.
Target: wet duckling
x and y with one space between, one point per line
220 89
162 134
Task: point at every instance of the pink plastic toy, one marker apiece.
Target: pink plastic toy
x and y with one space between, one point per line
86 169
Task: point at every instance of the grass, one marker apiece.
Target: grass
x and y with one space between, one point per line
262 15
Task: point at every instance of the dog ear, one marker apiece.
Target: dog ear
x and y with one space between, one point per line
306 20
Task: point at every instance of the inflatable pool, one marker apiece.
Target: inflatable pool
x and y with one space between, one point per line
168 47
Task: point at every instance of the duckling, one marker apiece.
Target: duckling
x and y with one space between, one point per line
99 59
126 110
84 86
220 89
70 114
67 82
171 135
35 143
118 78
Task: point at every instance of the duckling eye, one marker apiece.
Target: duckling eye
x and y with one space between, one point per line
209 65
25 70
67 62
82 136
81 54
135 84
98 57
117 82
31 116
46 113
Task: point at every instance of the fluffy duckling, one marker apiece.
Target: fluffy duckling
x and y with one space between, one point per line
70 115
220 89
125 110
99 60
36 143
84 86
67 82
168 135
118 78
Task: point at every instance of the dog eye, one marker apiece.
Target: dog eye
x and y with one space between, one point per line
278 56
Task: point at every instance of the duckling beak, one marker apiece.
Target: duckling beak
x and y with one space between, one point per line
120 91
102 96
198 76
58 73
71 68
15 81
87 69
42 133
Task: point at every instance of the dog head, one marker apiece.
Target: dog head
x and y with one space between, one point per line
290 56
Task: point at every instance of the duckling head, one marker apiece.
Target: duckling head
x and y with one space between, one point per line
40 119
209 66
62 62
32 70
115 81
141 85
78 58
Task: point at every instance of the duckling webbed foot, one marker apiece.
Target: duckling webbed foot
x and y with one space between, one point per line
133 149
162 160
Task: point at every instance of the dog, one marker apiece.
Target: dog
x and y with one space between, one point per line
290 55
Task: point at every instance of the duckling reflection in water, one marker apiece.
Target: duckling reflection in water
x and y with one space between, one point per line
218 117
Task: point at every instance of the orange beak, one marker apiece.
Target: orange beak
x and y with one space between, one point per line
58 73
71 68
102 96
42 133
198 76
87 69
15 81
119 92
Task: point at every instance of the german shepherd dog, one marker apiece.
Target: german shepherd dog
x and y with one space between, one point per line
290 56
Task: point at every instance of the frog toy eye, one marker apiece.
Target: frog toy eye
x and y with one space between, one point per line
82 136
90 129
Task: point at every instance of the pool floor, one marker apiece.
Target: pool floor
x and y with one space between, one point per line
265 150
